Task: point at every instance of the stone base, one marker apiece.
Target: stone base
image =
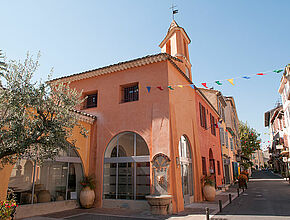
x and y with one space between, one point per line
159 204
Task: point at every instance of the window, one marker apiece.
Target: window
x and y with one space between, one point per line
168 47
185 49
222 136
212 125
130 93
58 179
92 100
126 168
231 143
186 166
227 140
204 171
202 114
219 168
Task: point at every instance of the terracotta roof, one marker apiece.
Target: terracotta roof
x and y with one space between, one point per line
119 67
84 113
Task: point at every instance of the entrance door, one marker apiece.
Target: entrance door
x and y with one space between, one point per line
227 174
186 169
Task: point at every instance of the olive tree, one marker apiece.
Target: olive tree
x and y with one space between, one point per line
36 120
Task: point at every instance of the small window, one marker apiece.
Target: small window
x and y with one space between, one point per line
213 125
168 47
202 114
204 172
219 168
92 101
130 93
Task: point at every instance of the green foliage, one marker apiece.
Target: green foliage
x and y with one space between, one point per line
250 142
88 181
36 120
208 180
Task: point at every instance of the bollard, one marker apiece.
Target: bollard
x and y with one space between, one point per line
243 189
220 205
238 192
230 198
207 213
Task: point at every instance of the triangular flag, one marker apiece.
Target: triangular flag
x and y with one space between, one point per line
192 86
261 74
218 82
231 81
170 87
278 71
159 87
204 84
246 77
148 88
180 86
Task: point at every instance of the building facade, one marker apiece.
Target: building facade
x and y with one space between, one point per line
219 103
209 138
232 127
284 91
274 119
147 134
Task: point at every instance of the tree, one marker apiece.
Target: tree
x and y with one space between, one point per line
36 120
250 142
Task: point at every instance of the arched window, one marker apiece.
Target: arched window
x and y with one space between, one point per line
186 168
127 167
58 179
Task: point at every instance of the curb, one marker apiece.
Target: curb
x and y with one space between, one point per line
211 216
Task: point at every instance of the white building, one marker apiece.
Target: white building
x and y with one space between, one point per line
284 91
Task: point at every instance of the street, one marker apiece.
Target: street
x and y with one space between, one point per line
267 197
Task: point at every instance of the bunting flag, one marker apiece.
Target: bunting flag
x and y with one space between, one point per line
192 86
278 71
231 81
218 82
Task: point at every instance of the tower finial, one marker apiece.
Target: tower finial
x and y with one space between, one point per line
174 11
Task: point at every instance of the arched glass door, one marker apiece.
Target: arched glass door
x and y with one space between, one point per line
127 168
186 169
59 178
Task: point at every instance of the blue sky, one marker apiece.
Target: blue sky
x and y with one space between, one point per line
229 39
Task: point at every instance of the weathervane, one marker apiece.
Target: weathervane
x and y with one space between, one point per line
174 11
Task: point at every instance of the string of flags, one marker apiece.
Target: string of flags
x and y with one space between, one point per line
246 77
217 82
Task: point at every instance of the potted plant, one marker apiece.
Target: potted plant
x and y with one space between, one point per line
87 195
8 207
208 188
243 179
245 173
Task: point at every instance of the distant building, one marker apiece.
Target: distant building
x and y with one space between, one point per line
258 159
274 119
284 91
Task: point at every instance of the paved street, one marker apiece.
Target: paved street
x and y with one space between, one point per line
267 197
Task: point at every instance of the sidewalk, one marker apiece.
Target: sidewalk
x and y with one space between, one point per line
191 211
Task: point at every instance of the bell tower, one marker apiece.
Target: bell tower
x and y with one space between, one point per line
175 44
